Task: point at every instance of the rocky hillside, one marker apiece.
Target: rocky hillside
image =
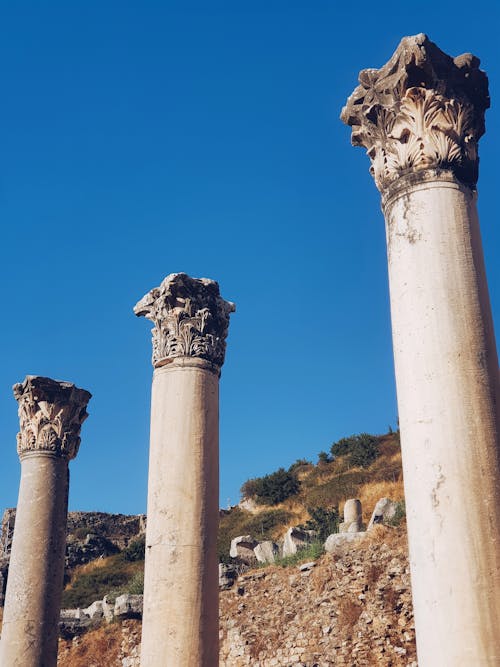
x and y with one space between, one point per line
351 608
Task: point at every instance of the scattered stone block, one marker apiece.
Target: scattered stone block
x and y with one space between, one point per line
353 521
384 511
295 539
242 547
336 541
128 606
227 576
266 552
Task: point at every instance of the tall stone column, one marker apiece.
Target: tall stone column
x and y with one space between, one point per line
51 414
420 118
181 594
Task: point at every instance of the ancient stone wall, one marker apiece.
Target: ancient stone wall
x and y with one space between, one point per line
350 608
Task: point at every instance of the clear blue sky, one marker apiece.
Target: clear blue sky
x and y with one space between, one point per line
143 138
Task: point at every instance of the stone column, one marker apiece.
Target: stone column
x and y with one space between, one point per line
181 594
420 118
51 414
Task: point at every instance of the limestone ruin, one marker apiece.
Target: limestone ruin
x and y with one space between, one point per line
181 569
51 414
420 118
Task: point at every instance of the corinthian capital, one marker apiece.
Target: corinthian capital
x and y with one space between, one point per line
422 110
51 414
190 319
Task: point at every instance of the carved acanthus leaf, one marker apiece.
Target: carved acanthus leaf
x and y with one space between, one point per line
51 414
422 110
190 319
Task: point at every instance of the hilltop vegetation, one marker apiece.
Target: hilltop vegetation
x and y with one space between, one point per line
311 495
361 466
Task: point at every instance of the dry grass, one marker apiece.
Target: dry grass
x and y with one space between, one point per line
87 568
371 492
96 646
349 610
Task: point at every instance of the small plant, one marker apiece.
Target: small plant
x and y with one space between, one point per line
135 550
323 521
399 515
136 585
323 458
311 552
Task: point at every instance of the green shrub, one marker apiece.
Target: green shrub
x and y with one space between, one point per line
248 488
323 521
323 458
276 487
136 584
399 516
135 550
272 489
312 552
361 449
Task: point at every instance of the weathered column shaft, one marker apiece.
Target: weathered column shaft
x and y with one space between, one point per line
181 583
51 415
420 118
180 615
446 376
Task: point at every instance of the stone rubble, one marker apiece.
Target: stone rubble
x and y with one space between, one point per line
348 609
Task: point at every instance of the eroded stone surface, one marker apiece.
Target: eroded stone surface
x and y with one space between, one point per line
181 575
242 547
266 552
190 319
353 517
51 414
420 118
422 110
385 510
295 539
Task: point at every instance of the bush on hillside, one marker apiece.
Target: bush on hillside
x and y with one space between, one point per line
323 521
135 550
277 487
399 516
300 465
272 489
249 488
323 457
361 450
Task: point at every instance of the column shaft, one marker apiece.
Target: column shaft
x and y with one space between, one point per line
51 414
180 618
36 570
181 590
448 399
